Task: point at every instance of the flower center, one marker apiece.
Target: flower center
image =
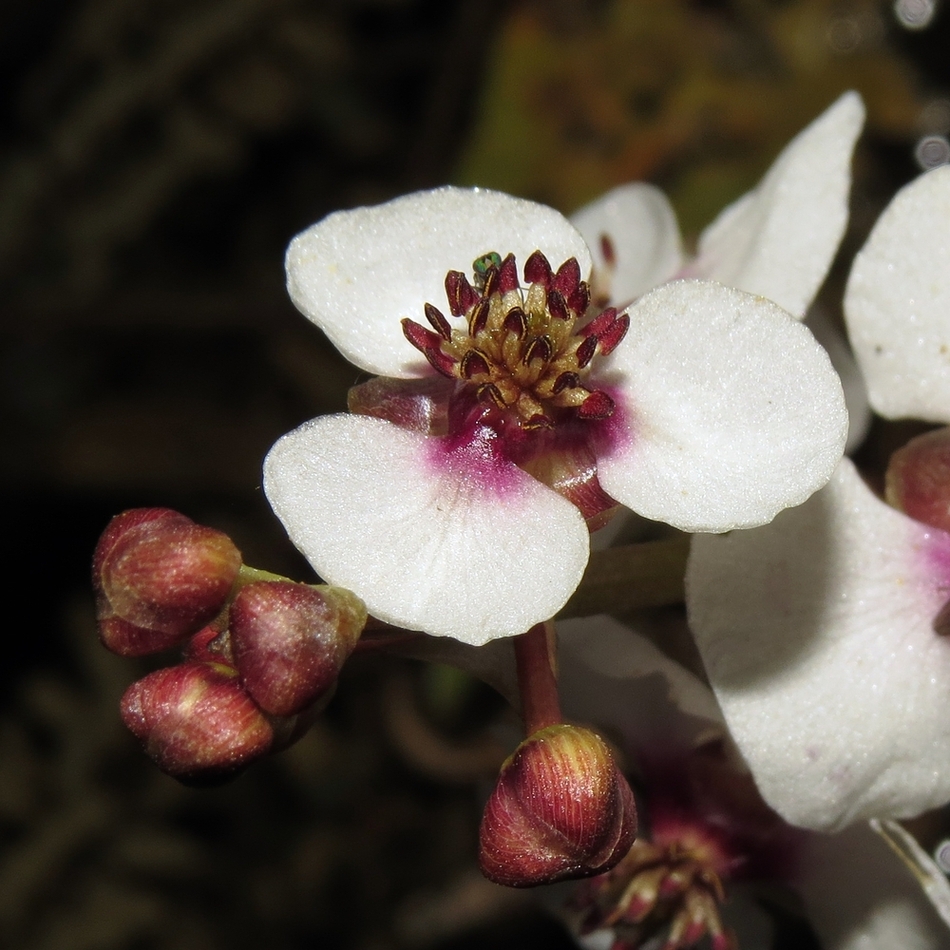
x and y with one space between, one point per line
672 885
521 352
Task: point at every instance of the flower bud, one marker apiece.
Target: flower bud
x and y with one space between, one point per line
561 809
289 641
417 404
159 577
195 721
918 479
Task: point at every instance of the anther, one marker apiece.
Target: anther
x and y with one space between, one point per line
490 284
598 405
556 305
539 349
608 250
460 293
441 362
474 364
537 270
610 338
600 323
478 319
508 275
489 392
585 352
516 322
567 277
566 380
419 336
438 321
580 299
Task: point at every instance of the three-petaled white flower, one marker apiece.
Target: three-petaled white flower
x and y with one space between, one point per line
857 894
453 499
818 630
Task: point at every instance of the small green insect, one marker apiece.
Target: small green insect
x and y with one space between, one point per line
482 265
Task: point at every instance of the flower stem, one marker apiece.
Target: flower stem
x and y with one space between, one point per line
537 680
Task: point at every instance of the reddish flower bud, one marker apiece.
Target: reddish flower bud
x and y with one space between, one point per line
918 479
417 404
196 721
290 641
158 578
561 809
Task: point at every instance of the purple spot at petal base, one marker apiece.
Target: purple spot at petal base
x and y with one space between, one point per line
474 458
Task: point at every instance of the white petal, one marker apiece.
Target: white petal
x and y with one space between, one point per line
641 223
859 896
611 675
465 546
897 303
817 636
730 411
357 273
779 240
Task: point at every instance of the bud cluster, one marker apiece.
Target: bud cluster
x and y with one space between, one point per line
260 656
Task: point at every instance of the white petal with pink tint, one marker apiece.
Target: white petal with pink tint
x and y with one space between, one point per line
817 636
467 547
641 225
860 896
897 304
729 411
357 274
779 240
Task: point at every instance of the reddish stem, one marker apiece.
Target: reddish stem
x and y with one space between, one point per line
537 681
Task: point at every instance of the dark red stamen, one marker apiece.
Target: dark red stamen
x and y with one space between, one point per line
556 305
567 277
608 250
566 380
601 323
441 362
585 352
579 300
419 336
612 336
598 405
537 270
516 322
474 363
540 348
508 275
438 321
478 319
491 282
460 293
489 392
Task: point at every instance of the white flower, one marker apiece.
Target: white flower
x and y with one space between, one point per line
856 893
714 411
818 630
777 241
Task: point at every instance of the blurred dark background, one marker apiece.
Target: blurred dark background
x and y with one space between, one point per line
155 158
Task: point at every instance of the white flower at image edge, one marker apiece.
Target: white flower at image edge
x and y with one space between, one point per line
817 630
857 894
723 409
